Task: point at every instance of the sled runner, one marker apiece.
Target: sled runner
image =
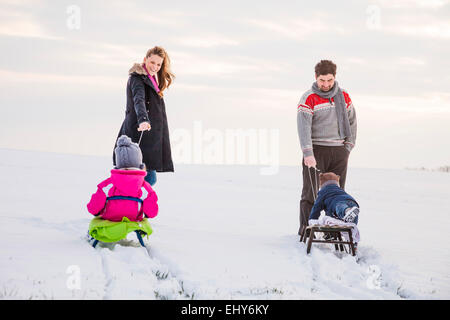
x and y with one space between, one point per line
334 237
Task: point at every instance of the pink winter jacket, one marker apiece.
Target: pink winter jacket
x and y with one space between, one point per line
125 183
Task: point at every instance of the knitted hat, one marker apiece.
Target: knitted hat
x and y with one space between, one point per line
324 177
128 154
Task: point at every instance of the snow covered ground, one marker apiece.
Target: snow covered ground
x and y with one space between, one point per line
222 233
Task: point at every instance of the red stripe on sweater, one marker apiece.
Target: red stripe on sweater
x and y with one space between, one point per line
313 100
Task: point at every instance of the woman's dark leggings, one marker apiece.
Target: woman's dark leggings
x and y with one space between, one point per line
151 177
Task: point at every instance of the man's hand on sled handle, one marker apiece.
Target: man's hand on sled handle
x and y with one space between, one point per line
310 161
144 126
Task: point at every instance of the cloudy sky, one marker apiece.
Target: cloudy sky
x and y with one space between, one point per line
241 67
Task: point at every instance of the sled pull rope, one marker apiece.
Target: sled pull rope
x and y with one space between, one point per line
142 132
315 190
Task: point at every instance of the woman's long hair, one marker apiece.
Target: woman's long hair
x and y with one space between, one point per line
165 75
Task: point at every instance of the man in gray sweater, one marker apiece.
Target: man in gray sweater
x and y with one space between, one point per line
326 122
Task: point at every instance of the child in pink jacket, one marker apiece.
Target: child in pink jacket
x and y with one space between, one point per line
125 193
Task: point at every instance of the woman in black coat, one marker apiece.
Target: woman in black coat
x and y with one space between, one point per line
145 116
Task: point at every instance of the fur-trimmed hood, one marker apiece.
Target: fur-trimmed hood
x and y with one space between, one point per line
137 68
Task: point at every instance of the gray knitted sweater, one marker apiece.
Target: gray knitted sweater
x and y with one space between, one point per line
317 122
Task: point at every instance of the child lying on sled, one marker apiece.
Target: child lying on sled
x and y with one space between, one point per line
340 208
124 200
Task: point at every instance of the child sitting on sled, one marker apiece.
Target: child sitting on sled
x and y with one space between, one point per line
340 207
125 197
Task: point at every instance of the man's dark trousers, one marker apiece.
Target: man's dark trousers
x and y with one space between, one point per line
329 159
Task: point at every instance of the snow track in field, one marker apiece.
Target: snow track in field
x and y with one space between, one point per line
128 265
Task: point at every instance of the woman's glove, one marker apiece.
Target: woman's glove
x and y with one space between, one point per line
144 126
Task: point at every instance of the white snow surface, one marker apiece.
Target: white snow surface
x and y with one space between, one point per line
223 232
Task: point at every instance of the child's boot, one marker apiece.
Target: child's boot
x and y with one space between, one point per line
351 214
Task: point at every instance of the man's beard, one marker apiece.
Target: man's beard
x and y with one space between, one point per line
325 89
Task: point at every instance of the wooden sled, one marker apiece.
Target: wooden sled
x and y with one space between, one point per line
308 235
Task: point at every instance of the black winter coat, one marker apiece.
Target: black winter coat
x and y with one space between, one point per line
144 104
